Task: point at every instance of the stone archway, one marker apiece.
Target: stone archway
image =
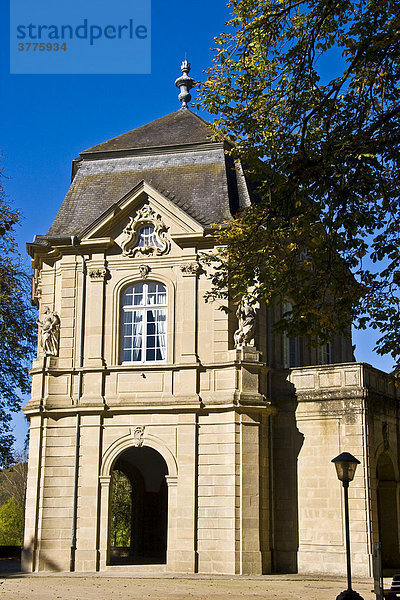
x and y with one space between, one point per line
139 437
388 511
146 508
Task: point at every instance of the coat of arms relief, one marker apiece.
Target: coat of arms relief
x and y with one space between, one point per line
145 234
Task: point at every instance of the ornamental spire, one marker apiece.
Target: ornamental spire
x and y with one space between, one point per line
185 84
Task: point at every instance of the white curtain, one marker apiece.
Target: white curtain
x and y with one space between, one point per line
137 335
161 341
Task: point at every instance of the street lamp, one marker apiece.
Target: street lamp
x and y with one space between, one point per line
346 465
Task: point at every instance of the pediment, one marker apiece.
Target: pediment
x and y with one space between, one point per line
145 212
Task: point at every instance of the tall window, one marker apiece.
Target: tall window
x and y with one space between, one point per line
291 345
291 352
325 354
144 323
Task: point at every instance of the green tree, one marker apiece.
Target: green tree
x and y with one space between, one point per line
11 523
323 155
13 480
121 509
17 328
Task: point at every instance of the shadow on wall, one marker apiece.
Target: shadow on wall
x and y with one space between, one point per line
46 564
387 491
287 443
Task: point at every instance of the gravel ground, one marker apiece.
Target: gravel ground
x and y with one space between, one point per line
61 586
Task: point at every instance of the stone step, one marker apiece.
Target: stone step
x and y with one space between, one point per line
136 569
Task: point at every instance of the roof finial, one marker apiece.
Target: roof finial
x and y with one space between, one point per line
185 83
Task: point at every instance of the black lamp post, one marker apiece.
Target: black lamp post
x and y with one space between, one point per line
346 465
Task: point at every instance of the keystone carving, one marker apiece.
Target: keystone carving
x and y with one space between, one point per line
144 271
138 435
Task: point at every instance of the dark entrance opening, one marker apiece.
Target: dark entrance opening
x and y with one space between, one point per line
387 512
139 508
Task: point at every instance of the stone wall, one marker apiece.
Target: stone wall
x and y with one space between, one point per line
323 411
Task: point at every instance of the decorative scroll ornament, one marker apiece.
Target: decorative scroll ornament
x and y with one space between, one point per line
192 268
49 332
138 435
246 316
98 274
145 234
36 287
144 271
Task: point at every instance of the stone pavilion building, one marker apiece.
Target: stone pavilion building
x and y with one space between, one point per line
222 430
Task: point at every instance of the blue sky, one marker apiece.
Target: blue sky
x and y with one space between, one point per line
46 120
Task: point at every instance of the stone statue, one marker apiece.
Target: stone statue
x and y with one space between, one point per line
50 332
246 316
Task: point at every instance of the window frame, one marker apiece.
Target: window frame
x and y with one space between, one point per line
292 345
325 353
291 349
144 309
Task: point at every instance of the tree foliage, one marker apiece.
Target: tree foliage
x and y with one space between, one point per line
11 523
121 509
13 480
323 155
17 328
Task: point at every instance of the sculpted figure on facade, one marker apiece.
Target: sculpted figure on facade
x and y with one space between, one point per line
246 316
49 332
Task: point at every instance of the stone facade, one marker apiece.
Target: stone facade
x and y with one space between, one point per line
323 411
228 452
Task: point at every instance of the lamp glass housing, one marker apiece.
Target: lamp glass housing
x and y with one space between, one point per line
346 465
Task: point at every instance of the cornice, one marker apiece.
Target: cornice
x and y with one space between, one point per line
154 150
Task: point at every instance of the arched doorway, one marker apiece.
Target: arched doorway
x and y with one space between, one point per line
387 512
138 508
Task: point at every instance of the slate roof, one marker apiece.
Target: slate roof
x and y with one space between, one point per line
179 127
174 154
